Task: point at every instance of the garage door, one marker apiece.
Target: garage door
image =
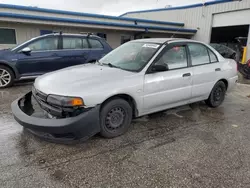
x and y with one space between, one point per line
232 18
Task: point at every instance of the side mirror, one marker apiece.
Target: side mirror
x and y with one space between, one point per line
26 50
160 68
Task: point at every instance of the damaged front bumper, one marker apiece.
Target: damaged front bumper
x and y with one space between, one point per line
81 126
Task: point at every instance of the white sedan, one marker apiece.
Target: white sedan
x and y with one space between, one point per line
138 78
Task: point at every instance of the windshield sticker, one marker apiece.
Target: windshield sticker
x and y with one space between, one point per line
150 46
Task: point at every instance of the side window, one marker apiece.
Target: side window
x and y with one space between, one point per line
213 57
199 54
174 58
95 44
85 43
44 44
72 43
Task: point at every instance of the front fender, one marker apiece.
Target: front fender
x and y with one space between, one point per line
12 67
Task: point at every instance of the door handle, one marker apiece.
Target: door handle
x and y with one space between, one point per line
217 69
186 75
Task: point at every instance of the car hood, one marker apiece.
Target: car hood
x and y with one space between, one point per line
76 80
5 52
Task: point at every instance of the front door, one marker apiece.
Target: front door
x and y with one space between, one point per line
170 88
41 59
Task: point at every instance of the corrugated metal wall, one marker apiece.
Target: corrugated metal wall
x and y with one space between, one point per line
25 32
197 18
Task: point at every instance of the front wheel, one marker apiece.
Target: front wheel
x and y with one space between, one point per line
6 77
217 95
115 117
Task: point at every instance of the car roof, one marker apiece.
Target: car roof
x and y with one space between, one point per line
71 34
163 40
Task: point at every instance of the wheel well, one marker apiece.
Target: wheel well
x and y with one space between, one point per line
127 98
9 68
225 82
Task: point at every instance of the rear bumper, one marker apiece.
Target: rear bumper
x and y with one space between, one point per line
232 82
82 126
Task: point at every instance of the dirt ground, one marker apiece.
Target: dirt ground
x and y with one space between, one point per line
190 146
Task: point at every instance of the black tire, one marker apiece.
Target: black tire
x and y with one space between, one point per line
12 76
217 95
115 118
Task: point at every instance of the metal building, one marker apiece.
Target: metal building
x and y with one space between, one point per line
20 23
221 21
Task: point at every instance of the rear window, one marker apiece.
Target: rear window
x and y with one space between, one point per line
72 43
199 54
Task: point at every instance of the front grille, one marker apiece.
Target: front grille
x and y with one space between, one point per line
39 95
41 99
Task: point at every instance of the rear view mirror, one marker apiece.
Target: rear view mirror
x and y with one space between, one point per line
160 68
26 50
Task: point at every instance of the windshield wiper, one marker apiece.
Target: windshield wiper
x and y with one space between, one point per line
111 65
97 61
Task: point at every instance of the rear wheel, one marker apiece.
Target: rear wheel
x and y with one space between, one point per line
217 95
6 77
115 117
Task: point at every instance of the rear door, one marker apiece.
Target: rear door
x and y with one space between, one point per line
205 70
74 51
41 59
97 50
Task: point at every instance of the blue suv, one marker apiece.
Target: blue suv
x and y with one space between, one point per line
49 53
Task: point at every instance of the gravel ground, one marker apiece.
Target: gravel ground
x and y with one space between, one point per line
190 146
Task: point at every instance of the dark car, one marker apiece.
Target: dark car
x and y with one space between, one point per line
49 53
226 52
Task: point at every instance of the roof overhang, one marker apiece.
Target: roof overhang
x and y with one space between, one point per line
27 18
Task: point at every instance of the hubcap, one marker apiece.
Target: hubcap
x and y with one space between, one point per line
115 118
218 94
4 78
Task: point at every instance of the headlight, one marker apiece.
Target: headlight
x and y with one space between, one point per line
65 101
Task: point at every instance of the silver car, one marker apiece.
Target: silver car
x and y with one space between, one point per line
138 78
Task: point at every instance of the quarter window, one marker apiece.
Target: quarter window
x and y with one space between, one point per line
174 58
7 36
44 44
95 44
199 54
73 43
213 57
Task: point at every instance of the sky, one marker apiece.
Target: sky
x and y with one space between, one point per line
108 7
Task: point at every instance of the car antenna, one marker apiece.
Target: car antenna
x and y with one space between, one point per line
175 33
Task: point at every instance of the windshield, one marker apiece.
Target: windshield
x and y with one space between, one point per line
20 45
131 56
